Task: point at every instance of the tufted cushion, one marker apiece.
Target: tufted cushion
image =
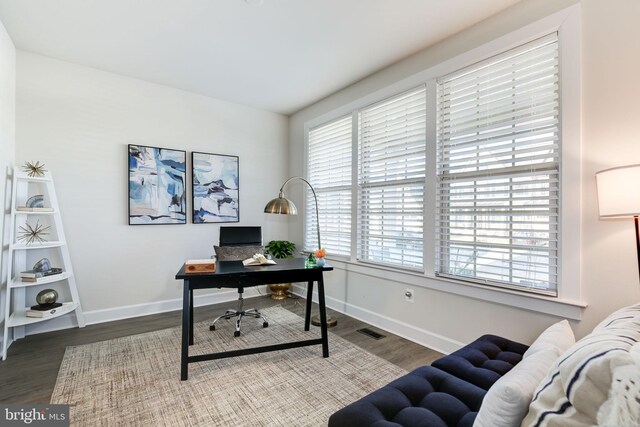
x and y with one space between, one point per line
425 397
483 361
446 394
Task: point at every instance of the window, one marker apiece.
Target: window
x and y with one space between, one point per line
391 177
329 172
495 212
498 170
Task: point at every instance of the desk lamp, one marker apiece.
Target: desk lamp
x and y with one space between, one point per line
619 195
284 206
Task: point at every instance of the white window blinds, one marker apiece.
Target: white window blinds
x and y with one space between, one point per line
391 175
498 170
329 171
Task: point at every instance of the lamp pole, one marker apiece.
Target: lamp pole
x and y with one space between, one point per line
635 220
315 197
282 205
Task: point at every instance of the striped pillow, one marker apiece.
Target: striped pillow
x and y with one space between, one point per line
579 382
621 316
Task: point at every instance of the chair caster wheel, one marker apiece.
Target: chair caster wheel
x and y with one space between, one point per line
265 324
212 327
236 334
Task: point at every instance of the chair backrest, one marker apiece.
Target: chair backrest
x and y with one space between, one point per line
240 236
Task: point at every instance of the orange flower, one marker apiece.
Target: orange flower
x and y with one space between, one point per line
321 253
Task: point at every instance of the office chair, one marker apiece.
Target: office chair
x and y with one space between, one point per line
237 244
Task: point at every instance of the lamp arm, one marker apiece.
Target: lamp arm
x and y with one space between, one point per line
635 220
315 198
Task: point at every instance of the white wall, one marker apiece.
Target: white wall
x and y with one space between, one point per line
611 137
79 120
7 143
611 134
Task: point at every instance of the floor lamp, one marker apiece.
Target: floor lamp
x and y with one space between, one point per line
619 196
284 206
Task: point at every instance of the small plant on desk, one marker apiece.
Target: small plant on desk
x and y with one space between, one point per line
280 249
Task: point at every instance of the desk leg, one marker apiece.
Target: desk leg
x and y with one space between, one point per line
307 314
323 318
191 317
186 321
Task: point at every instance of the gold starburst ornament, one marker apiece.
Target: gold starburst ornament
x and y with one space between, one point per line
33 234
34 169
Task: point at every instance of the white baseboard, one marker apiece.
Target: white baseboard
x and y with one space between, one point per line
421 336
138 310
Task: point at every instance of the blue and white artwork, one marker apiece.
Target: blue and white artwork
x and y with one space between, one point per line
157 187
215 188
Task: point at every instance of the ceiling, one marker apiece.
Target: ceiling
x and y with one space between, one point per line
280 56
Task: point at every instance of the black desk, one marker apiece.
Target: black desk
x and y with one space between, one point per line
232 274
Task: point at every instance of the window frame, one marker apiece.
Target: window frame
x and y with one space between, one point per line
568 303
319 191
360 187
453 173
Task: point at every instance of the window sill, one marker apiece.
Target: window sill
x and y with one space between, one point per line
559 306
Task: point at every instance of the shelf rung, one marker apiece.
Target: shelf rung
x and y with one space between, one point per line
21 176
19 318
45 245
17 212
18 283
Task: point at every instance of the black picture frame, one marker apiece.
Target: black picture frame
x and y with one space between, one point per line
157 187
215 188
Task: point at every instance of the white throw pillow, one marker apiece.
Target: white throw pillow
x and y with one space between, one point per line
578 384
558 335
507 401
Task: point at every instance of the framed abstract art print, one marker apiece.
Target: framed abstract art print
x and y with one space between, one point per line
215 188
157 185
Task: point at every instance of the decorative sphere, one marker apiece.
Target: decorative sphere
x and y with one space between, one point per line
47 296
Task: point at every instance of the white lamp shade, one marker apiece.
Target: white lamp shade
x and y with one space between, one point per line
619 192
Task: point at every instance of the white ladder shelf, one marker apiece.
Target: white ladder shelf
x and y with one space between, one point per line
20 259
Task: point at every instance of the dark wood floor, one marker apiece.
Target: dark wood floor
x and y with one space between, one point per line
30 371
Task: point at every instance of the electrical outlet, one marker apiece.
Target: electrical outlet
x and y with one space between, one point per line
408 295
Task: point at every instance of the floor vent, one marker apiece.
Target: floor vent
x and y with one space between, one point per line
368 332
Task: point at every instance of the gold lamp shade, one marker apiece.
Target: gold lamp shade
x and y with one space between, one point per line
281 205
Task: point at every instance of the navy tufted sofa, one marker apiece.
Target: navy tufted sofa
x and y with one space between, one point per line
446 394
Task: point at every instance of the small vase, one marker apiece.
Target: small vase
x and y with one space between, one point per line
310 262
320 262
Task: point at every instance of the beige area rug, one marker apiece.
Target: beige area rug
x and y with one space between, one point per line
135 380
